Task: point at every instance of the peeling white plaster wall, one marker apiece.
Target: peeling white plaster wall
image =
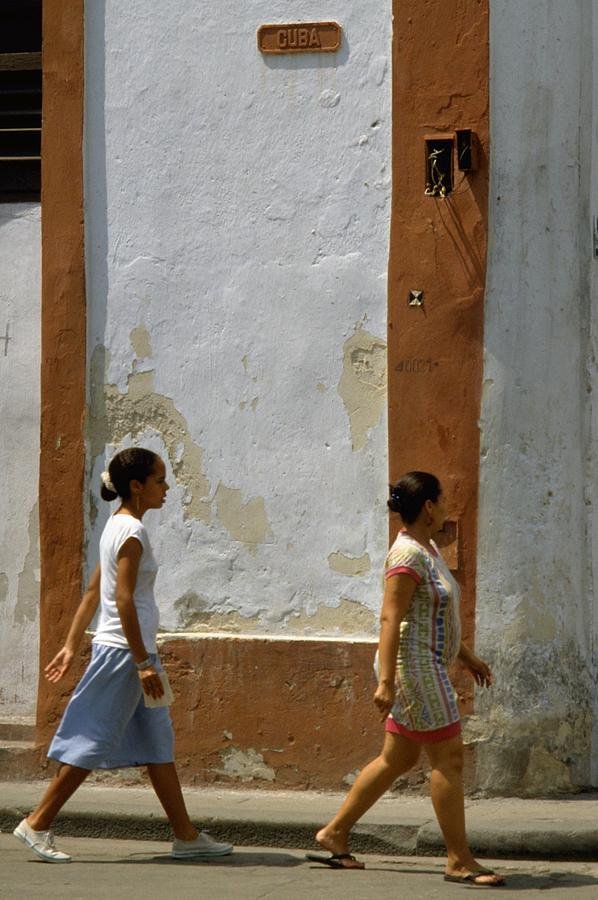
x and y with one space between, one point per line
19 456
535 602
237 223
592 356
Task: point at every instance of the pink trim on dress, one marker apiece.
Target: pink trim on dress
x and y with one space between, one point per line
424 737
404 570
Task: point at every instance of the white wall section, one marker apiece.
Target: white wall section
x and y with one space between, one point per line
237 218
591 97
19 456
534 586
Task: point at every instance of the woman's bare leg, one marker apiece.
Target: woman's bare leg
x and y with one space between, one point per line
167 786
63 785
397 757
446 784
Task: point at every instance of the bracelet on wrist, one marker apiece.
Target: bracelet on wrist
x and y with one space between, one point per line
145 664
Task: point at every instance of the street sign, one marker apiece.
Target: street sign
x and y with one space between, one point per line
299 37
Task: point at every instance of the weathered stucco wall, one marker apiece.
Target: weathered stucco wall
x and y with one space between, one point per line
592 356
269 732
19 456
237 214
534 612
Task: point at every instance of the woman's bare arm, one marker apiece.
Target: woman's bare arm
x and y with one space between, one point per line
86 610
398 594
126 578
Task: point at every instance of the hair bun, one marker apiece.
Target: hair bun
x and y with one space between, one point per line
396 495
410 492
105 476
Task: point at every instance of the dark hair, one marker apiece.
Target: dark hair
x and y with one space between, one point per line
411 491
135 463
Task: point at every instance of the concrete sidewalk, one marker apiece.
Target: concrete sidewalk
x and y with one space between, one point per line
401 825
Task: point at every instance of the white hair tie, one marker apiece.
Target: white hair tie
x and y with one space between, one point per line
107 483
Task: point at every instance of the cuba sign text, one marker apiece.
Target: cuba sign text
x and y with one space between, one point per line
299 37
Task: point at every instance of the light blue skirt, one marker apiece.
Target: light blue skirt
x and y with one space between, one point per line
106 724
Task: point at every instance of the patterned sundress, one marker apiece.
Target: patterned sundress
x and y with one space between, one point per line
425 708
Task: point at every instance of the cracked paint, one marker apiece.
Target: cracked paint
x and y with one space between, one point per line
93 508
3 586
194 615
246 522
253 404
546 750
544 769
114 415
246 765
354 566
351 777
348 618
191 610
28 581
531 618
362 386
141 342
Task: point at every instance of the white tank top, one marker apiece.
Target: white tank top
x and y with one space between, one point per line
120 528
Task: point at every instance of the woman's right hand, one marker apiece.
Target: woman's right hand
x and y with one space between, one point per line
57 667
384 699
151 682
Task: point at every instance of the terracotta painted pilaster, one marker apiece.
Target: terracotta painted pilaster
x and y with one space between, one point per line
438 246
63 338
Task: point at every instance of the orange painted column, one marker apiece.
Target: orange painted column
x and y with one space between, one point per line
63 339
438 246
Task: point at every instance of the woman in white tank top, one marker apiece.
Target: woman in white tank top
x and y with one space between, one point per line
118 714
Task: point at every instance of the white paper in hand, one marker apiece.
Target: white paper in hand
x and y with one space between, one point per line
166 698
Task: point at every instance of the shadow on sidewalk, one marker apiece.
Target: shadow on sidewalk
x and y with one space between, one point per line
544 882
515 881
521 881
237 860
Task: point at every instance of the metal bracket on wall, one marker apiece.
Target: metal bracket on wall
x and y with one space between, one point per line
595 236
416 298
467 149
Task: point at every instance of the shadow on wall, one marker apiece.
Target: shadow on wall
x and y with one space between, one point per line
466 248
96 203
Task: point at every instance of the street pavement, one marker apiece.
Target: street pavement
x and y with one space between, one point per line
143 870
398 825
120 842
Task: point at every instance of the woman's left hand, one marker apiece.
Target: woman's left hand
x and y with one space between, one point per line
479 669
151 682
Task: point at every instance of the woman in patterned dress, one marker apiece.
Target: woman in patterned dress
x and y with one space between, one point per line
420 637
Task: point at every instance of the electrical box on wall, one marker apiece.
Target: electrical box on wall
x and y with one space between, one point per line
439 164
441 152
467 150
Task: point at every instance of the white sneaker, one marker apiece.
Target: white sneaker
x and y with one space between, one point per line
202 847
41 842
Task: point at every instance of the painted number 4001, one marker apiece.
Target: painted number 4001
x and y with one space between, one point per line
416 366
